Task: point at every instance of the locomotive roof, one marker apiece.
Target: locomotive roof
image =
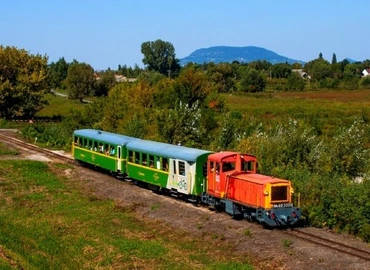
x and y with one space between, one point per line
104 136
166 150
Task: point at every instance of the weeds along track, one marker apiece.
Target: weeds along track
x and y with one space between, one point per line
35 148
324 242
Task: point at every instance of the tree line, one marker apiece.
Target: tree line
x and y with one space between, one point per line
25 77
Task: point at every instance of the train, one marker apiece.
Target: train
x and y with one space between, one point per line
223 180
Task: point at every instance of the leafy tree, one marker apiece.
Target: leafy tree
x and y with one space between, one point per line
365 82
192 86
80 81
58 72
318 69
253 81
295 82
261 65
160 56
281 70
105 83
334 59
23 82
222 76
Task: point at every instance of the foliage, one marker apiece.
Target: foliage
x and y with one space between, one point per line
160 56
23 83
295 82
365 82
106 82
318 69
80 81
192 86
253 81
58 72
281 70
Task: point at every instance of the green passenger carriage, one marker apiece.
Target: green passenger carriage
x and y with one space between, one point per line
102 149
179 169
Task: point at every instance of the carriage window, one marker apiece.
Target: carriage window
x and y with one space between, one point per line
76 140
131 156
95 146
205 172
182 168
228 166
80 142
137 157
151 161
85 143
174 167
144 159
165 164
101 148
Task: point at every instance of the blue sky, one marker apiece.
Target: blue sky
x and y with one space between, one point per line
106 33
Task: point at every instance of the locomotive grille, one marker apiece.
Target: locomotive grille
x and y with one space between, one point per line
279 193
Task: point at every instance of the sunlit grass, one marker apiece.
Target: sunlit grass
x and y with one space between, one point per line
60 106
50 222
322 110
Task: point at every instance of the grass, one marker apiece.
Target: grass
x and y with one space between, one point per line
5 150
60 106
287 243
48 221
322 110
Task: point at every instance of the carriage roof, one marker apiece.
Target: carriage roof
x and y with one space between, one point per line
166 150
103 136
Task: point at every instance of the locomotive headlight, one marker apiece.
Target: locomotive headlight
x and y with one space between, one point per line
266 193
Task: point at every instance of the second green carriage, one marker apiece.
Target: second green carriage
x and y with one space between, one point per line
181 170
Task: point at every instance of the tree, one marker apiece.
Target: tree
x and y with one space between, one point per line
334 59
24 81
58 72
192 86
160 56
295 82
253 81
281 70
105 83
80 81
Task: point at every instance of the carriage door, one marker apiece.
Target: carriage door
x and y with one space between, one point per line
119 163
181 174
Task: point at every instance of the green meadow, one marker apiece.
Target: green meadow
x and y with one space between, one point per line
48 221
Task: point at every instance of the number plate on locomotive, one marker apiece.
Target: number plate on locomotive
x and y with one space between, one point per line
283 205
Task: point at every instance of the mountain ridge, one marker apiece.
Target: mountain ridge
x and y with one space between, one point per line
246 54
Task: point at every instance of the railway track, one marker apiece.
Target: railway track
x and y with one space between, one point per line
33 147
324 242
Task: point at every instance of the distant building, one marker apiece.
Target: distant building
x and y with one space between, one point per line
302 73
366 72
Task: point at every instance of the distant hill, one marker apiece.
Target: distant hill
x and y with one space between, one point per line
229 54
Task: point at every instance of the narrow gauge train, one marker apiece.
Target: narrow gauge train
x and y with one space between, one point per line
226 180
